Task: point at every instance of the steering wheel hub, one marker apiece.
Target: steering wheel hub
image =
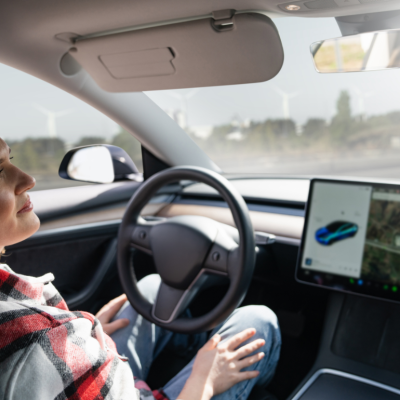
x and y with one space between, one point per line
180 246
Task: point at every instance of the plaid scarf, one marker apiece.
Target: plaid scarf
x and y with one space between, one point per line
49 352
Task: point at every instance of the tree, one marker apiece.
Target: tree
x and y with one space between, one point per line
341 125
283 127
343 105
314 127
88 140
262 138
132 146
38 154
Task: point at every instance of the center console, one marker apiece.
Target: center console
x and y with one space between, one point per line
328 384
351 246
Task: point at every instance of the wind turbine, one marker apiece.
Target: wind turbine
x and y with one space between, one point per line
361 100
51 118
183 99
285 100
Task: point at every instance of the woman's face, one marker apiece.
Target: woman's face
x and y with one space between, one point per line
17 220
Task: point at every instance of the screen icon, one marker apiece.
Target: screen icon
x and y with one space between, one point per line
308 261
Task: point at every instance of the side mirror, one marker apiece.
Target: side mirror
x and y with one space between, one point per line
98 164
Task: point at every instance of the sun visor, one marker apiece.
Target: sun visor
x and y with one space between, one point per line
244 48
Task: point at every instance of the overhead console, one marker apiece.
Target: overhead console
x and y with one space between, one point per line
351 238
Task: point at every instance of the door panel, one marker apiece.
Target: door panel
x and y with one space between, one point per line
82 259
73 263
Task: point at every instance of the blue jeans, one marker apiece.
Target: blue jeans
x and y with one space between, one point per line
142 341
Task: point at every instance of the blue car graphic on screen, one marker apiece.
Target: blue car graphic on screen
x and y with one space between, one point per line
335 232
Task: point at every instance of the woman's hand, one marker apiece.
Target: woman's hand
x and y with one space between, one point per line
218 366
107 313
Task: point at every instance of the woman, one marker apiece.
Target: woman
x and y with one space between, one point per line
47 351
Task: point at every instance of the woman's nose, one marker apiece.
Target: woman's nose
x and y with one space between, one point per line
25 183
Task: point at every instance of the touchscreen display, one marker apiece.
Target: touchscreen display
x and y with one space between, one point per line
351 238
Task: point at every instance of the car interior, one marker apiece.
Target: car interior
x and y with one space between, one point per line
317 243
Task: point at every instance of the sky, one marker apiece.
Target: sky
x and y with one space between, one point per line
314 95
21 97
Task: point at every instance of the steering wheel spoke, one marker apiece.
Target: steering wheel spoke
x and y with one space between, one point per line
171 302
141 232
221 252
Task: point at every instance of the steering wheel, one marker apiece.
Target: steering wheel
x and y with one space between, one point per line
189 252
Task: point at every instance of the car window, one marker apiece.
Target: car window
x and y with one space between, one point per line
40 122
301 122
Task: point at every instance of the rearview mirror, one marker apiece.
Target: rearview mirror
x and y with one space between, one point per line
370 51
98 164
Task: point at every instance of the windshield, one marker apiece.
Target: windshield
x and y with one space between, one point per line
301 122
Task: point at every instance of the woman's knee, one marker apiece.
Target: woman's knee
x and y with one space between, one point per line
262 319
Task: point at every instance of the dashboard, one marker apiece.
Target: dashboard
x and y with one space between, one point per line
276 205
351 236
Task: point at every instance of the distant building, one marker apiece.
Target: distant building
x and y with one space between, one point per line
201 131
235 135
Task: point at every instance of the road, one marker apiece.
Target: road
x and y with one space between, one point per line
53 181
371 164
